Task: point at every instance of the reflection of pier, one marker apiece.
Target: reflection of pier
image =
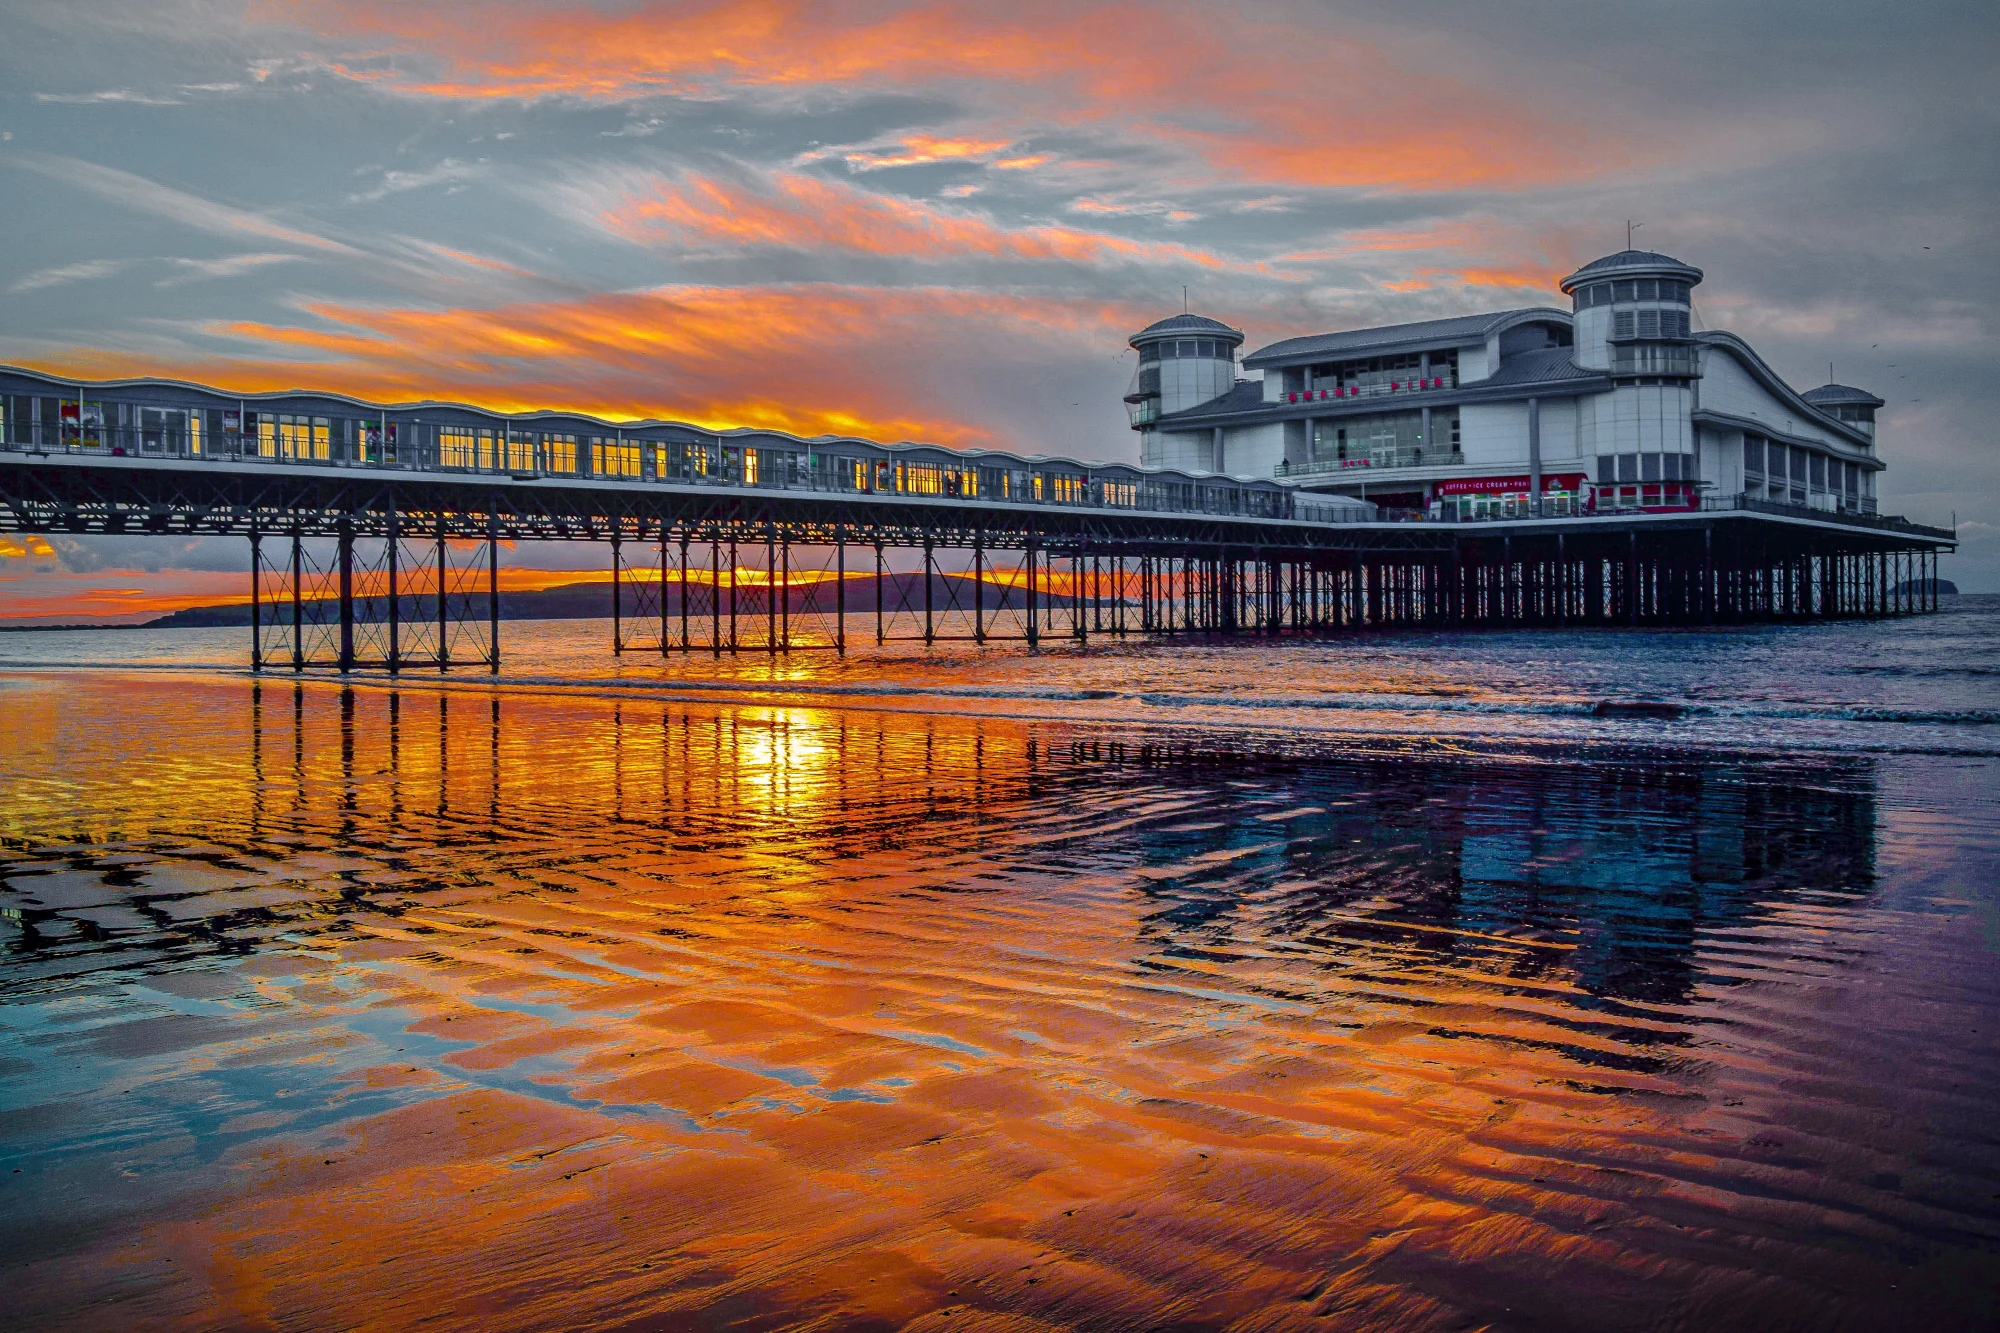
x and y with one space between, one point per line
1622 866
375 535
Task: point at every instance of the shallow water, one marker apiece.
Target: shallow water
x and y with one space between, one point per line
969 989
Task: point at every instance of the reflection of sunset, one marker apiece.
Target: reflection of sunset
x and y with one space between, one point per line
778 1007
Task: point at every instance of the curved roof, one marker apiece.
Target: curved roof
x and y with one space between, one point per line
224 397
1650 261
1831 395
1776 386
1188 324
1428 333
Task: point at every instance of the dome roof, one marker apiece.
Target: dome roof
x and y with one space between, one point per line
1840 395
1633 261
1189 324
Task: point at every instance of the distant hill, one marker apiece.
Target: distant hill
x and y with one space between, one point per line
592 601
1922 587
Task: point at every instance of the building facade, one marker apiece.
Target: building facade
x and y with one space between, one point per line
1616 404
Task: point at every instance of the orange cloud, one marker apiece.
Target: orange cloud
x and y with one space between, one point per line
28 546
807 358
919 149
108 595
1363 118
805 213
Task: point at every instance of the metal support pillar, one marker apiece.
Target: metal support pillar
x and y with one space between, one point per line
493 593
687 641
881 635
298 603
930 572
256 607
345 538
395 595
715 597
444 602
1632 578
840 592
617 597
978 590
1075 595
1034 632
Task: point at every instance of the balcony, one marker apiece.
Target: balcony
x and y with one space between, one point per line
1380 460
1145 412
1676 359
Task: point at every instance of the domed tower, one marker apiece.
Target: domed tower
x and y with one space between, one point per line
1633 323
1183 361
1632 314
1845 403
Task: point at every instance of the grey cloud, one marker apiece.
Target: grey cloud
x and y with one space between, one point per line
56 277
152 555
125 95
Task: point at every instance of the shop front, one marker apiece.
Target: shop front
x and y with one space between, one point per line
1508 497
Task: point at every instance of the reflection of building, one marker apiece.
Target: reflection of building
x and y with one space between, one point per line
1622 867
1618 403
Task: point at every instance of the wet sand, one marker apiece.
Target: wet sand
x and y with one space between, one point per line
530 1011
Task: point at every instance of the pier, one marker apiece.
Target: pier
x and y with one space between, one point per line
374 537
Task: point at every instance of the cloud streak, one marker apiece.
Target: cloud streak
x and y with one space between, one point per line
799 212
1362 119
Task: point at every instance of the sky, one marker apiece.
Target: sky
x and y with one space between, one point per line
942 221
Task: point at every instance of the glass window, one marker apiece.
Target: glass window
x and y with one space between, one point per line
1606 469
1623 324
281 435
614 458
559 453
1623 291
1753 454
1651 464
1149 353
1628 467
1819 472
1649 323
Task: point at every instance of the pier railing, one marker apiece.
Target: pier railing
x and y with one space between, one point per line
835 467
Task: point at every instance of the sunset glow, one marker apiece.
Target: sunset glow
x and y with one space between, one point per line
931 222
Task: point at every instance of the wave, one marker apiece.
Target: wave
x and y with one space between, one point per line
1654 712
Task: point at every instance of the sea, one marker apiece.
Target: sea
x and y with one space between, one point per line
1510 980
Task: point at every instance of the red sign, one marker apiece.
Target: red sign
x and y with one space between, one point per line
1555 481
